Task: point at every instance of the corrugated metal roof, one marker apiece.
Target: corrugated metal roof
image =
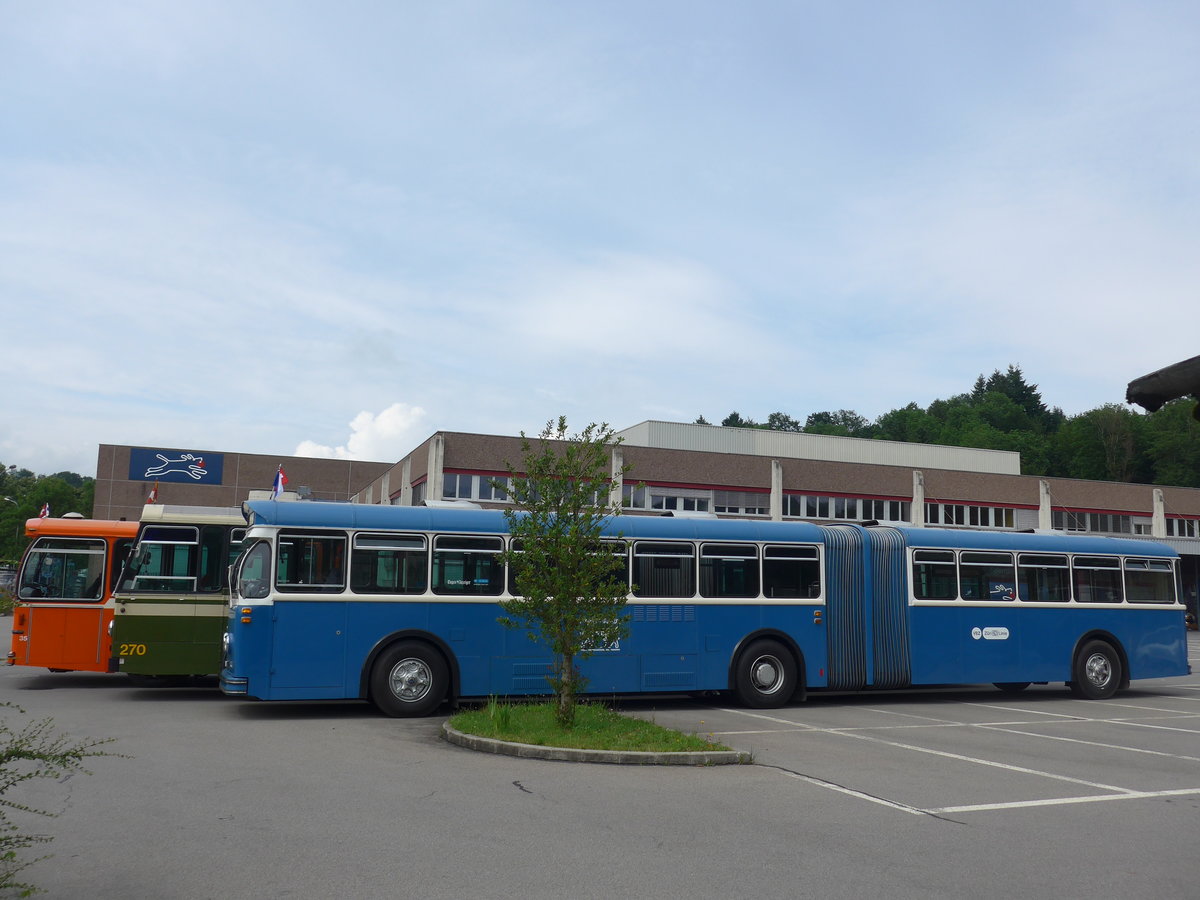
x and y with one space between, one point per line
792 445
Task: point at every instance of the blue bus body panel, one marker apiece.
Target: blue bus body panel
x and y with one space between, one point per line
974 645
318 648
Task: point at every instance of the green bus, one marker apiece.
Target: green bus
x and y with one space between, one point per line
172 597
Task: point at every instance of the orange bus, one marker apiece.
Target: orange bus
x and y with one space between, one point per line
64 590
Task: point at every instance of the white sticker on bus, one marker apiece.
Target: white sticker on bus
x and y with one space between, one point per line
992 633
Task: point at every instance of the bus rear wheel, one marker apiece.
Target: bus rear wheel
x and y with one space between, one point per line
409 679
765 675
1096 671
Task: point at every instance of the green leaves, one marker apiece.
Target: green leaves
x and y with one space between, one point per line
571 592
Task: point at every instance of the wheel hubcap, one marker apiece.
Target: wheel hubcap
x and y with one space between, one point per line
1098 669
766 674
410 680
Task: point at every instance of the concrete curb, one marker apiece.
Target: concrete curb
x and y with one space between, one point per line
616 757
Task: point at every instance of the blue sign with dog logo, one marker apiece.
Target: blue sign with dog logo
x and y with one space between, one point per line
185 466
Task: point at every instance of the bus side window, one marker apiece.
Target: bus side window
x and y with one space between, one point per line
388 564
728 570
987 576
1149 581
1043 578
468 565
790 571
935 576
1097 579
664 569
311 563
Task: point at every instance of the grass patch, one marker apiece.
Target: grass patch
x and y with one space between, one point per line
596 728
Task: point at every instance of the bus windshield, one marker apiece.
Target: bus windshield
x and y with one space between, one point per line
64 569
253 580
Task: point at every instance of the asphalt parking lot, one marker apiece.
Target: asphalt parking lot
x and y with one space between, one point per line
942 793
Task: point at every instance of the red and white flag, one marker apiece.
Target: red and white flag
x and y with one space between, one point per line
153 498
45 513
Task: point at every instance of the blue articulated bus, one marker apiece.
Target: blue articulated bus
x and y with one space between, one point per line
398 605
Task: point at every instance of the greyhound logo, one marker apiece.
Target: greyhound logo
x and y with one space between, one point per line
186 464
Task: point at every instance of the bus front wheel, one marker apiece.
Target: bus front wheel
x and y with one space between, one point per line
765 675
1096 672
409 679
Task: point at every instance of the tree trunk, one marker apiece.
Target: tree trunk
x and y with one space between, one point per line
566 691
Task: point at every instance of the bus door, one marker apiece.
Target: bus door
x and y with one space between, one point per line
61 621
170 607
990 636
309 631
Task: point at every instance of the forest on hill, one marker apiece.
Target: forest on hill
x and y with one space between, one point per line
1003 411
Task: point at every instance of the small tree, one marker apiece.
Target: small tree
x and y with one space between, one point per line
570 593
31 752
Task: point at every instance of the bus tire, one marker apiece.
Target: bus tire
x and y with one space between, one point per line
409 679
1096 671
765 675
1012 687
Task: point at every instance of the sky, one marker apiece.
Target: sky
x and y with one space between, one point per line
320 229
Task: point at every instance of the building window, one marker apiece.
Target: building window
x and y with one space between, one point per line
493 489
969 516
487 488
665 499
741 503
810 506
1103 523
886 510
456 487
1184 528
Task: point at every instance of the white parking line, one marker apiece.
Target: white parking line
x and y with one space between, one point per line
1116 792
1064 801
1022 709
974 760
1133 724
1067 740
1109 704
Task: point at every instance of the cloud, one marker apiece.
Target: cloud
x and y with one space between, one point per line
620 306
384 437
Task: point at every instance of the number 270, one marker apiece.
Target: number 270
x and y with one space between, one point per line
132 650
